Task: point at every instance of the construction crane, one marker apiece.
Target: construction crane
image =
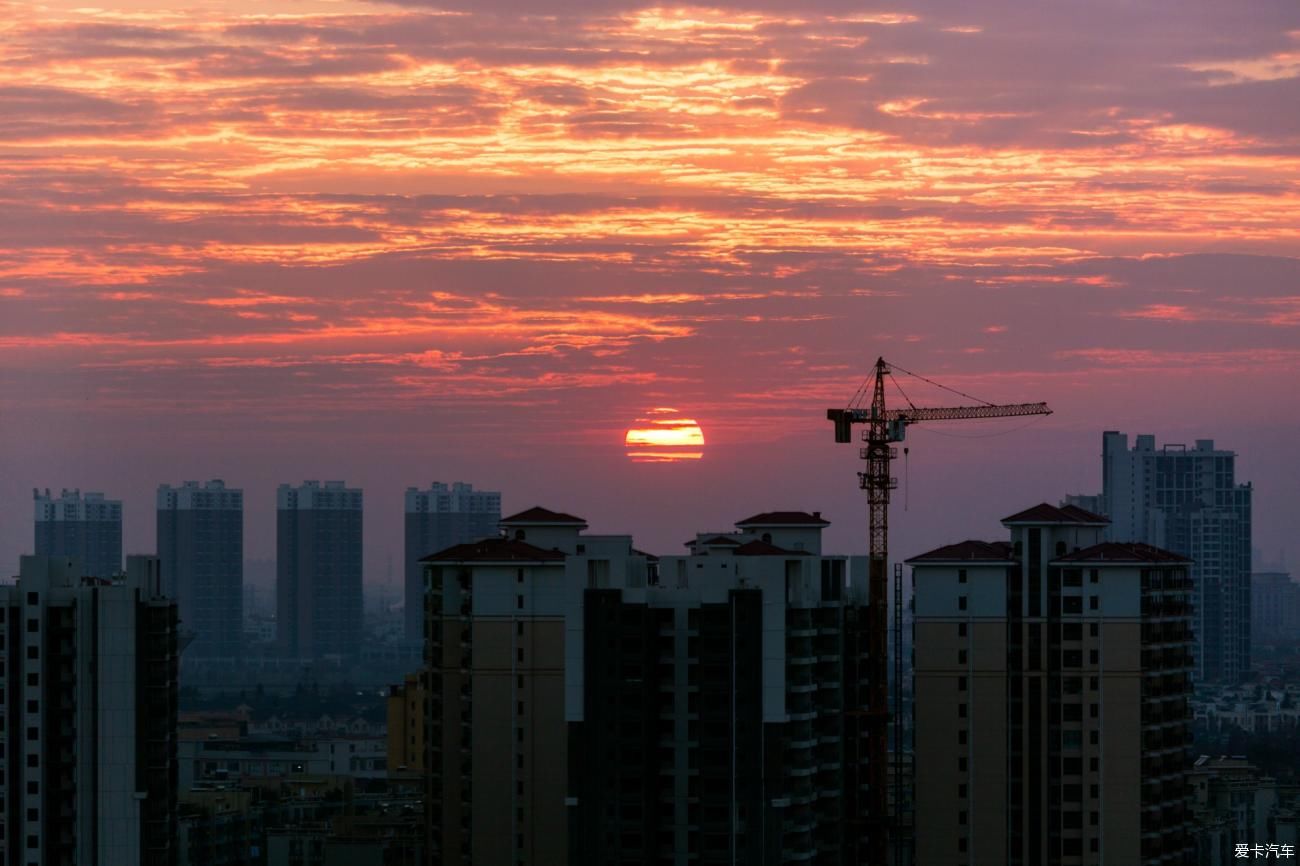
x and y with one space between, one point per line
884 427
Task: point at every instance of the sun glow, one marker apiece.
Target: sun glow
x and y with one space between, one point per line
664 436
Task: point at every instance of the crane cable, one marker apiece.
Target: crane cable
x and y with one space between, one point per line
938 385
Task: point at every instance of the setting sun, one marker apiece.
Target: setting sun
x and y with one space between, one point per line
664 436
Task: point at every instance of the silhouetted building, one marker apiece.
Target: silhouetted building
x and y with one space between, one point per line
89 716
1052 680
1275 606
436 519
713 701
407 723
86 528
201 545
318 570
1188 501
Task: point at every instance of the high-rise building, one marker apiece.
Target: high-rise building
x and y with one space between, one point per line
1052 679
201 546
591 703
89 712
436 519
85 528
1188 500
318 570
1275 606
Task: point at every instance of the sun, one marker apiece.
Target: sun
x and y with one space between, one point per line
664 436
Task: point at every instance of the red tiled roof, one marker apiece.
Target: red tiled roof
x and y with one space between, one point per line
968 551
537 514
1116 551
1044 513
713 540
762 548
494 550
785 518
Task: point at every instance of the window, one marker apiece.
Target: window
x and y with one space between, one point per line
1072 766
1092 629
1072 658
961 844
1093 576
1093 656
519 654
1071 793
33 679
1072 631
33 652
33 598
1094 818
961 711
961 629
1093 710
961 575
1072 712
1094 763
1093 739
961 737
519 628
1093 683
33 625
1093 602
519 602
1071 604
961 817
961 790
961 765
961 657
33 706
33 733
961 684
961 602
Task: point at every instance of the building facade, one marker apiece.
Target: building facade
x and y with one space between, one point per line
1052 680
438 518
201 547
318 570
1187 500
590 703
85 528
89 712
1275 606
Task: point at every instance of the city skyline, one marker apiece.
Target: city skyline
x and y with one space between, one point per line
390 242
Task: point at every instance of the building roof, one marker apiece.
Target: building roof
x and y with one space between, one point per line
714 541
785 518
968 551
1044 513
494 550
1115 551
763 548
543 516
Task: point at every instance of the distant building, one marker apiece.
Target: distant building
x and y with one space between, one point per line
89 717
1233 803
1188 501
1274 606
85 528
712 701
407 723
436 519
201 545
318 570
1052 681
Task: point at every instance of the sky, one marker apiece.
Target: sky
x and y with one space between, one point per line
394 243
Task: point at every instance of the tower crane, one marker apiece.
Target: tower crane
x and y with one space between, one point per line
884 427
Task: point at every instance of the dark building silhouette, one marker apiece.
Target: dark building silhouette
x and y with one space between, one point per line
86 528
1188 500
201 546
318 570
713 702
89 716
436 519
1052 679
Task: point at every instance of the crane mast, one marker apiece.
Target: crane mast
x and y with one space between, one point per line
870 820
